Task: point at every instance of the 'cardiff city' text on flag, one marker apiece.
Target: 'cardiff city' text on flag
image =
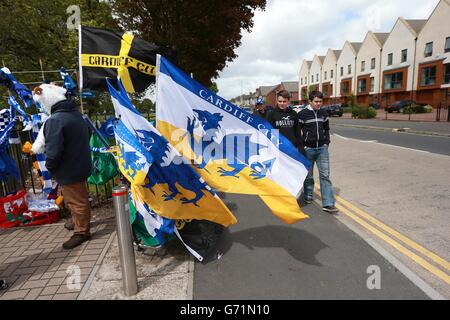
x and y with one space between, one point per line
108 54
232 150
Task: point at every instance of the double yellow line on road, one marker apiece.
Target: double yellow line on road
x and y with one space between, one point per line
386 233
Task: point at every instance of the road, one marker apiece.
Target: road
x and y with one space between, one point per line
318 258
380 179
428 143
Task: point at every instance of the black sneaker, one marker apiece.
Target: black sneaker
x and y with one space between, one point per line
75 241
3 285
330 209
308 201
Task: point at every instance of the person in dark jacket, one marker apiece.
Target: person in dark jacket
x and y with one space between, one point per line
67 156
285 119
315 130
260 109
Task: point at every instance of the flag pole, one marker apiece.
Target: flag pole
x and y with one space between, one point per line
80 73
42 70
4 66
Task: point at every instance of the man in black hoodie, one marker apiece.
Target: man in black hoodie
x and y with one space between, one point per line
67 156
285 119
260 109
315 129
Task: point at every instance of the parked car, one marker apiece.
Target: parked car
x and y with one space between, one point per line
398 106
334 110
374 105
299 107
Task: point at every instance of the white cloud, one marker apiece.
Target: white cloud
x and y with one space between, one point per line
292 30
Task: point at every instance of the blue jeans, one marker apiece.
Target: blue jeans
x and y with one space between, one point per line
321 158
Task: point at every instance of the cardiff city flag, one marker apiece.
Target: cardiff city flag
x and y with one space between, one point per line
158 174
232 150
108 54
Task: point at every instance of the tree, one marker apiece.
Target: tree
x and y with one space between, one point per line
214 87
202 34
33 30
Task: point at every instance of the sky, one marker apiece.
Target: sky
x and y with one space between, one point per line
289 31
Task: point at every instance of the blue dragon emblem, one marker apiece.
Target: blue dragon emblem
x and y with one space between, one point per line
164 171
130 161
210 122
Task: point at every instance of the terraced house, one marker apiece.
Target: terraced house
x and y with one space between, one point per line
303 76
346 69
411 62
329 68
398 60
368 68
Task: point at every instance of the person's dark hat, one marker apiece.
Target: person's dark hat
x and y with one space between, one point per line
259 101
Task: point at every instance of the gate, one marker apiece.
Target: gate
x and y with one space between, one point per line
442 112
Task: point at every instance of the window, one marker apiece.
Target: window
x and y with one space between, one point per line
312 78
393 81
372 84
363 66
447 45
306 80
428 49
301 81
317 77
342 71
325 90
372 64
345 87
390 57
428 76
404 55
447 73
362 85
349 69
331 74
325 75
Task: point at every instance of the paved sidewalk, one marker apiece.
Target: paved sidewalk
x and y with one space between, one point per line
36 267
160 277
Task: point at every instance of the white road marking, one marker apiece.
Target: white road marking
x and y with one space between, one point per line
376 141
334 134
394 146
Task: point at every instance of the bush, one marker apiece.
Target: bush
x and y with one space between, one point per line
418 108
364 112
347 109
428 108
371 112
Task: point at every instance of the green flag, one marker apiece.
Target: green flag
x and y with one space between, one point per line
104 167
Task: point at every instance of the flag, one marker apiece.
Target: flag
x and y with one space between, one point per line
104 166
156 171
37 120
157 227
7 164
232 150
108 54
16 106
69 84
6 78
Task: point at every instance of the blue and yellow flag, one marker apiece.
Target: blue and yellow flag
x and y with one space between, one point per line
158 174
232 150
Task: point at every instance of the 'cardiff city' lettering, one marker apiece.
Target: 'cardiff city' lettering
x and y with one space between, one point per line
235 111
